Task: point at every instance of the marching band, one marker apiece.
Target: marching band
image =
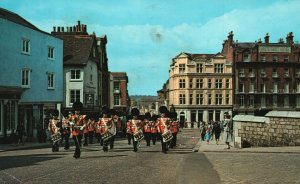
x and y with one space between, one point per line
104 129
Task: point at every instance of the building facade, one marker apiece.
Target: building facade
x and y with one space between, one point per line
31 79
200 87
82 68
266 75
120 97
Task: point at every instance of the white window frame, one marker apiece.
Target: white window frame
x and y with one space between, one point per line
117 100
251 101
241 101
25 46
275 87
50 52
298 87
218 84
77 92
218 68
25 82
75 79
275 100
286 88
286 101
51 80
298 101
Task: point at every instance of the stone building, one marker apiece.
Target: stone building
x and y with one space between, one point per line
200 86
266 75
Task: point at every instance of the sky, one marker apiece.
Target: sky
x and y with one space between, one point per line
144 35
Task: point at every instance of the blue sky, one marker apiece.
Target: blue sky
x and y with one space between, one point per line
144 35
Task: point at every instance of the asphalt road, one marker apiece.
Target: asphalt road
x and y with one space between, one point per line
149 165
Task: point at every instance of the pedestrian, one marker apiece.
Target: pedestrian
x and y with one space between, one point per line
207 134
228 129
203 130
20 131
217 131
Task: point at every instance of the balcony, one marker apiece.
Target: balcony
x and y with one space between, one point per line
241 75
263 75
286 75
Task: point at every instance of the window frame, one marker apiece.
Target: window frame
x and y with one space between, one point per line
52 80
25 46
27 78
51 52
75 79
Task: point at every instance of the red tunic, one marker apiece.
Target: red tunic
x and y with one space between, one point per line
78 121
162 124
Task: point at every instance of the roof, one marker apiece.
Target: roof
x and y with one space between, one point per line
250 118
119 75
13 17
11 90
287 114
77 48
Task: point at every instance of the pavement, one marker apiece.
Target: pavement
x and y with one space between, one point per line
200 146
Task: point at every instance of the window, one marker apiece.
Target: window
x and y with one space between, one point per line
199 83
116 85
181 68
209 83
191 83
286 72
241 87
50 81
50 52
251 72
275 87
74 96
274 73
241 72
227 83
218 84
263 73
262 58
297 72
263 87
275 101
286 101
181 99
246 57
25 78
218 68
263 101
191 99
181 83
251 87
91 78
298 102
274 58
116 99
10 115
199 67
227 99
298 87
75 75
218 99
286 58
199 99
286 87
209 99
251 101
241 101
25 46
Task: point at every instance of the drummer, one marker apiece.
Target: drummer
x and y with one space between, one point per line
53 127
163 124
134 127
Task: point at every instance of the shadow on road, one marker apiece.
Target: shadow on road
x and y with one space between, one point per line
25 160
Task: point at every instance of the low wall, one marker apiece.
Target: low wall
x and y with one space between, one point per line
268 131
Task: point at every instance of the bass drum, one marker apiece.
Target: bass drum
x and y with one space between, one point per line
167 136
106 135
138 136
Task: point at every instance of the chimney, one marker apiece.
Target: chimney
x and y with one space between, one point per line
62 29
58 29
54 29
280 40
230 38
74 29
259 40
84 28
267 38
290 38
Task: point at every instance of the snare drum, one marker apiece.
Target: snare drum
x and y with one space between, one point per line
56 137
167 136
138 136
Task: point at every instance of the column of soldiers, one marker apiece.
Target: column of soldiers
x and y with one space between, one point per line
104 129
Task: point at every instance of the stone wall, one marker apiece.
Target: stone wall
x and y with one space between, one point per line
266 131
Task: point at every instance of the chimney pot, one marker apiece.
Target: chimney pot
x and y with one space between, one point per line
54 29
62 29
58 29
267 38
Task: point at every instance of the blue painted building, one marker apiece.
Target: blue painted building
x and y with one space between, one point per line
31 77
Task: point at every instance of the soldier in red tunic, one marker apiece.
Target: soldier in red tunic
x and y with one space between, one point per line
134 127
163 124
174 128
54 129
147 128
154 129
79 123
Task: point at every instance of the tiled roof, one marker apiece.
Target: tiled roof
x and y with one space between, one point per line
77 49
119 75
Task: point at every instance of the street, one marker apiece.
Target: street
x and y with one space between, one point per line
148 165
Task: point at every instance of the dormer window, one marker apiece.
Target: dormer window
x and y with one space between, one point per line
181 68
274 58
246 56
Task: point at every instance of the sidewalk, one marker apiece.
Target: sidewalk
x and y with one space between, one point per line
202 146
27 145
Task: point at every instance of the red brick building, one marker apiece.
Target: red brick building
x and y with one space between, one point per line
266 75
120 100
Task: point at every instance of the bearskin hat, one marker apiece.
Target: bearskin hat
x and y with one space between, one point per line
173 115
147 115
55 112
135 112
105 110
163 109
77 106
113 112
